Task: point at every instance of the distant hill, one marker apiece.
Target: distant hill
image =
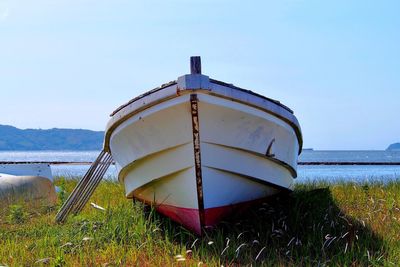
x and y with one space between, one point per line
12 138
395 146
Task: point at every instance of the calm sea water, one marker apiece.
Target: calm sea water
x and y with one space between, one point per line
305 172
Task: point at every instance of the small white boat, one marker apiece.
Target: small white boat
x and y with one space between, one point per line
31 182
199 149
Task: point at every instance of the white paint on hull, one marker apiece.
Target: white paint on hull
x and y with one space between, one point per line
248 148
156 166
154 153
177 189
37 190
245 164
156 144
234 124
222 188
155 129
27 169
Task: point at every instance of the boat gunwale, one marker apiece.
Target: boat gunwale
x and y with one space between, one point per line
247 91
128 110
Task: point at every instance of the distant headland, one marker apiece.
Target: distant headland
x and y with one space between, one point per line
395 146
12 138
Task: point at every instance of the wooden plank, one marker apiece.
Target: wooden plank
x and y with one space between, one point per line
195 65
197 155
85 187
94 182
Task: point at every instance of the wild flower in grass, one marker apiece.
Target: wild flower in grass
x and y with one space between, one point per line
223 251
328 236
142 245
189 253
227 241
43 261
241 234
194 243
277 233
290 242
327 239
330 241
344 235
87 238
238 249
259 253
68 244
210 243
284 225
179 258
94 205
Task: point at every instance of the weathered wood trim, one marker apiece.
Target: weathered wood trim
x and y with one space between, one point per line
194 107
195 65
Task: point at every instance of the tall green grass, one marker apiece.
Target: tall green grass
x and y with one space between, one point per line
318 224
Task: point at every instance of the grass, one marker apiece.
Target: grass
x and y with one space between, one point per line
319 224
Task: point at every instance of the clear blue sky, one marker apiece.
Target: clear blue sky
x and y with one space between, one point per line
68 64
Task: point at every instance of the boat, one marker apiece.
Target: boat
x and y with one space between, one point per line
196 149
199 149
23 181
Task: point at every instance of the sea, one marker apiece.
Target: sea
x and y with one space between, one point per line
306 173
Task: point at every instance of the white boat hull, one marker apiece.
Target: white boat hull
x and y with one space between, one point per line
199 156
31 182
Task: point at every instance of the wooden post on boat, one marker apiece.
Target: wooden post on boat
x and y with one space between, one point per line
195 65
85 187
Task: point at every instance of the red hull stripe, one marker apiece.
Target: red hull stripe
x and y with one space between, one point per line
190 217
187 217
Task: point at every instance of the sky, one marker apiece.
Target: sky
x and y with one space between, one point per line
69 64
